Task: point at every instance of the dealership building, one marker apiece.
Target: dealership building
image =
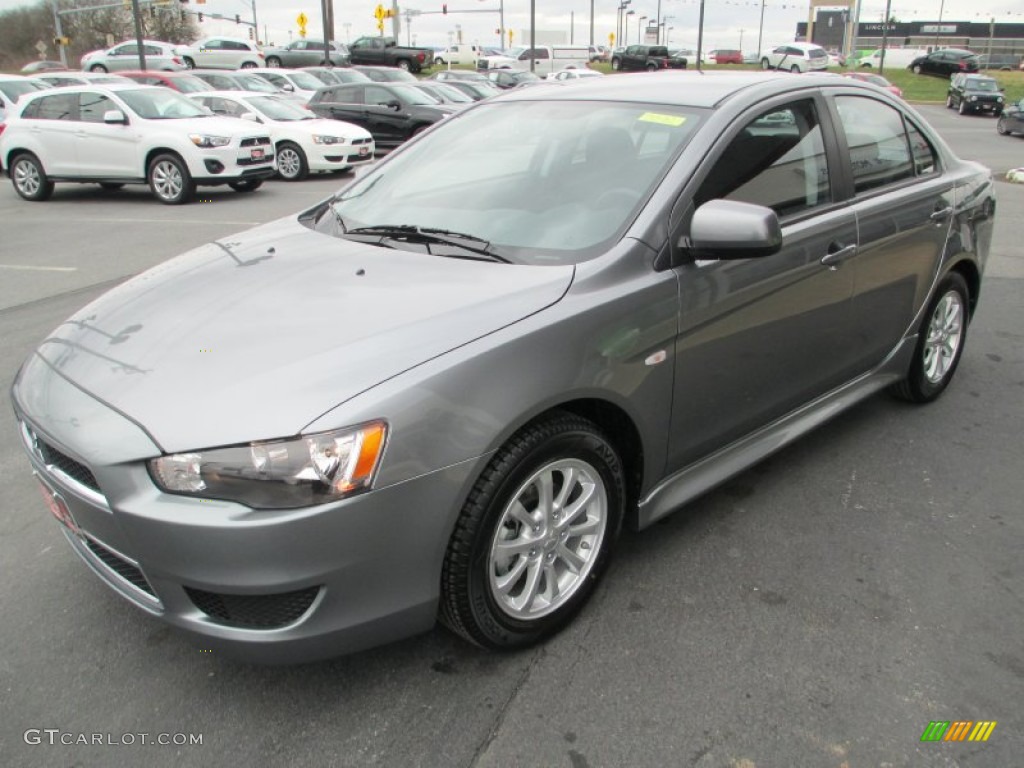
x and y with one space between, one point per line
830 29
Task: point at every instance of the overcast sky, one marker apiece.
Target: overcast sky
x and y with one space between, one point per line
727 24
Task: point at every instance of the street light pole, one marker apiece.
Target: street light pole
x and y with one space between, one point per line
639 26
760 30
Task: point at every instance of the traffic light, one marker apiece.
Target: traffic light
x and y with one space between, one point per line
444 9
251 35
199 17
238 19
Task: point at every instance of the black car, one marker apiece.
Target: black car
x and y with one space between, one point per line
945 63
637 58
1012 119
974 93
476 90
1007 62
510 78
391 112
386 74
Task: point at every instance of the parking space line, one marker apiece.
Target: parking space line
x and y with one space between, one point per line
29 268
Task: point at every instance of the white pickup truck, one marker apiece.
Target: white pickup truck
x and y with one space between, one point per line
546 58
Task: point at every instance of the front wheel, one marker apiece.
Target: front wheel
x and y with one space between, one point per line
189 62
248 65
616 64
765 64
29 179
534 535
795 69
273 61
949 102
1001 128
916 69
291 162
963 107
940 342
652 68
170 180
97 68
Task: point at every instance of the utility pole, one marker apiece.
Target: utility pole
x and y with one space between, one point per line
138 35
62 49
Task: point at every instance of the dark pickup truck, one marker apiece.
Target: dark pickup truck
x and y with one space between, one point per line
637 58
385 52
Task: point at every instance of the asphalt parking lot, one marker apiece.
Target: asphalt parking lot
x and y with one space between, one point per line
818 610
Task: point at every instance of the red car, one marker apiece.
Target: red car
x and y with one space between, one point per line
182 82
878 80
727 56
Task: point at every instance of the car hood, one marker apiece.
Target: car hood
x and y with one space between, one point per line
255 336
323 126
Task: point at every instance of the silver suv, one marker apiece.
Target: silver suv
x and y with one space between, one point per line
159 56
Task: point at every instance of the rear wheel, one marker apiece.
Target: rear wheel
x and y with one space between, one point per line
916 69
616 64
97 68
652 68
795 69
940 342
291 162
170 180
534 535
189 62
248 65
273 61
765 64
404 64
246 185
1001 127
949 102
29 179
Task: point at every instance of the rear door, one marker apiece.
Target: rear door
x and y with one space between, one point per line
904 206
761 336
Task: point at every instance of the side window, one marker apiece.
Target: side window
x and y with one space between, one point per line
152 50
92 107
275 79
60 107
877 142
132 49
377 95
777 160
924 154
213 45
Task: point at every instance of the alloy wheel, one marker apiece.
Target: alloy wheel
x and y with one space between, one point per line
945 331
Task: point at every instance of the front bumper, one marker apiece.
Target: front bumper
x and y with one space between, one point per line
250 158
336 157
266 586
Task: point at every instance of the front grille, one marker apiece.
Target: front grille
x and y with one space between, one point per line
256 161
120 566
254 611
256 141
61 461
357 142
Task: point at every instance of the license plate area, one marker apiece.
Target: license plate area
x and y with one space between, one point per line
364 151
257 153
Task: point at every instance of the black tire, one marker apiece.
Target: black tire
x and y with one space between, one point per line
652 68
1001 128
616 64
293 159
419 129
765 64
170 181
29 179
795 69
916 69
962 108
246 185
998 113
574 457
404 64
273 61
111 186
949 102
938 350
249 65
189 62
97 68
438 62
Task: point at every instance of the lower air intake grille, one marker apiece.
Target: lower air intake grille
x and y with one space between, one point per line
254 611
120 566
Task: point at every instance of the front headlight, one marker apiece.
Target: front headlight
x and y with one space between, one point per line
328 140
206 141
280 474
973 98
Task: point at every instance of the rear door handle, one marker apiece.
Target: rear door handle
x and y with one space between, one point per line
837 254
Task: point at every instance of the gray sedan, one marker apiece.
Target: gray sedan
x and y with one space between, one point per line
442 392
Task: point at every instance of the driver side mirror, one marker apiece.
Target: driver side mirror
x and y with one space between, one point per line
288 87
250 117
115 117
728 229
394 104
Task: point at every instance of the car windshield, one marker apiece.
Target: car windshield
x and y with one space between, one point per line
452 94
410 95
191 84
280 110
13 89
160 104
483 90
554 183
305 81
256 83
326 76
988 86
877 80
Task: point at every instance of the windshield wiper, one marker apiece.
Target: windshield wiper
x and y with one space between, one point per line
428 235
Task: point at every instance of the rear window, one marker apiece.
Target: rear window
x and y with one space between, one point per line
817 53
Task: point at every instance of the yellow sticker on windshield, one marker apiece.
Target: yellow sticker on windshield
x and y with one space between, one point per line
657 117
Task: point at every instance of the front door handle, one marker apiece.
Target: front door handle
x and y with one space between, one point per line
837 254
942 214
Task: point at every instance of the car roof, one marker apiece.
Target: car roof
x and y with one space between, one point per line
685 88
155 73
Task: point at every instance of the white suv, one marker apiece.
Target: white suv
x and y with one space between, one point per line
130 134
222 53
796 57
